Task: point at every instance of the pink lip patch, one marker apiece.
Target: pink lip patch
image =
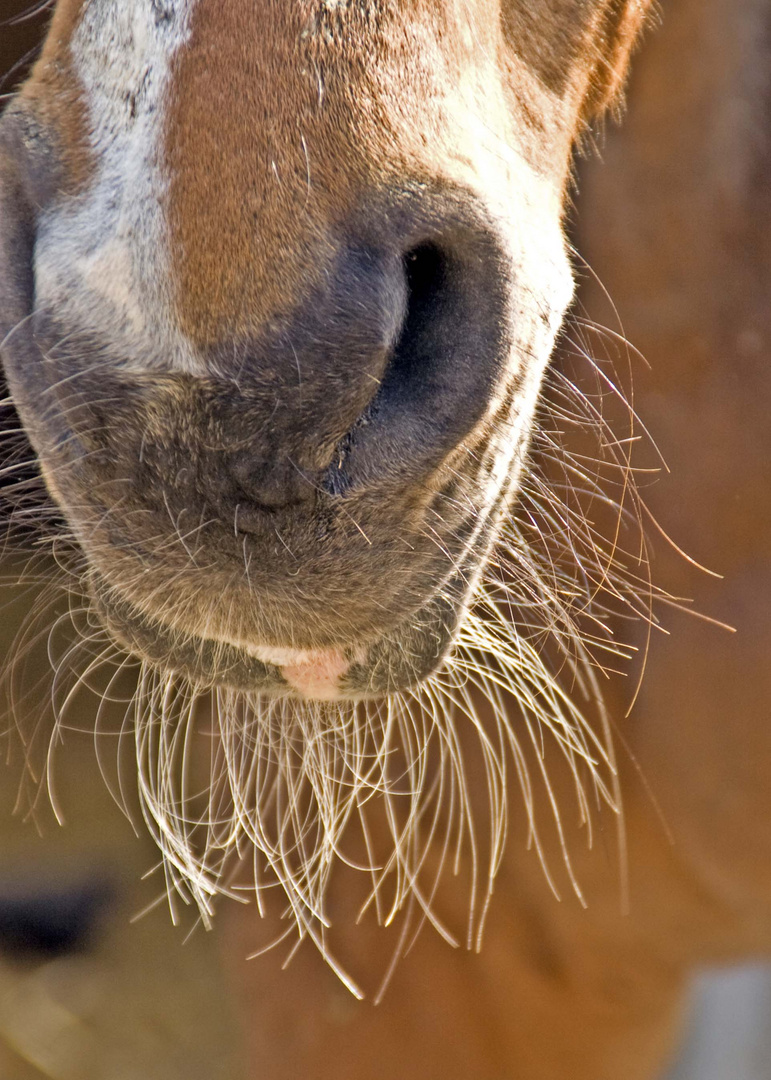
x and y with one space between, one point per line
319 675
314 673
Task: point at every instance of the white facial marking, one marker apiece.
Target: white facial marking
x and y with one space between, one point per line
102 260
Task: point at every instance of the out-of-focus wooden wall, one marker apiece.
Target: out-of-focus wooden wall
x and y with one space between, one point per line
674 217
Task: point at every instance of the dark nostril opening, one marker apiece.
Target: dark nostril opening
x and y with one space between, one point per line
425 268
426 271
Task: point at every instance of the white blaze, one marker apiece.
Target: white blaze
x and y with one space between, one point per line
102 260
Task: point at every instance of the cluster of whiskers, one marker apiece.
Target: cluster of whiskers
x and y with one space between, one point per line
271 798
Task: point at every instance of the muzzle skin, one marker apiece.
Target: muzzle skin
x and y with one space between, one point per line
279 362
338 506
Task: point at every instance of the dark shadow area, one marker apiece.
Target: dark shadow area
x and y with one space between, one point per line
50 920
22 26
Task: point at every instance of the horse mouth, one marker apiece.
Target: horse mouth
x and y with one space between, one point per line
346 597
392 662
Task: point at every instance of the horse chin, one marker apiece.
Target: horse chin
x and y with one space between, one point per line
400 660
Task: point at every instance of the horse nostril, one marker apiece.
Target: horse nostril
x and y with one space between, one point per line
445 368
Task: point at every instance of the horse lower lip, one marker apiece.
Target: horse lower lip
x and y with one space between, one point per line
334 673
310 673
314 674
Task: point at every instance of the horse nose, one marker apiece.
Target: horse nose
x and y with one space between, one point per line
448 362
369 384
372 381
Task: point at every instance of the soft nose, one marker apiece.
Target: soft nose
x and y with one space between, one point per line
381 374
319 365
368 384
313 376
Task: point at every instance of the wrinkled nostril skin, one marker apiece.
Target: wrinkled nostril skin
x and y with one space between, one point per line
300 385
272 484
448 363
